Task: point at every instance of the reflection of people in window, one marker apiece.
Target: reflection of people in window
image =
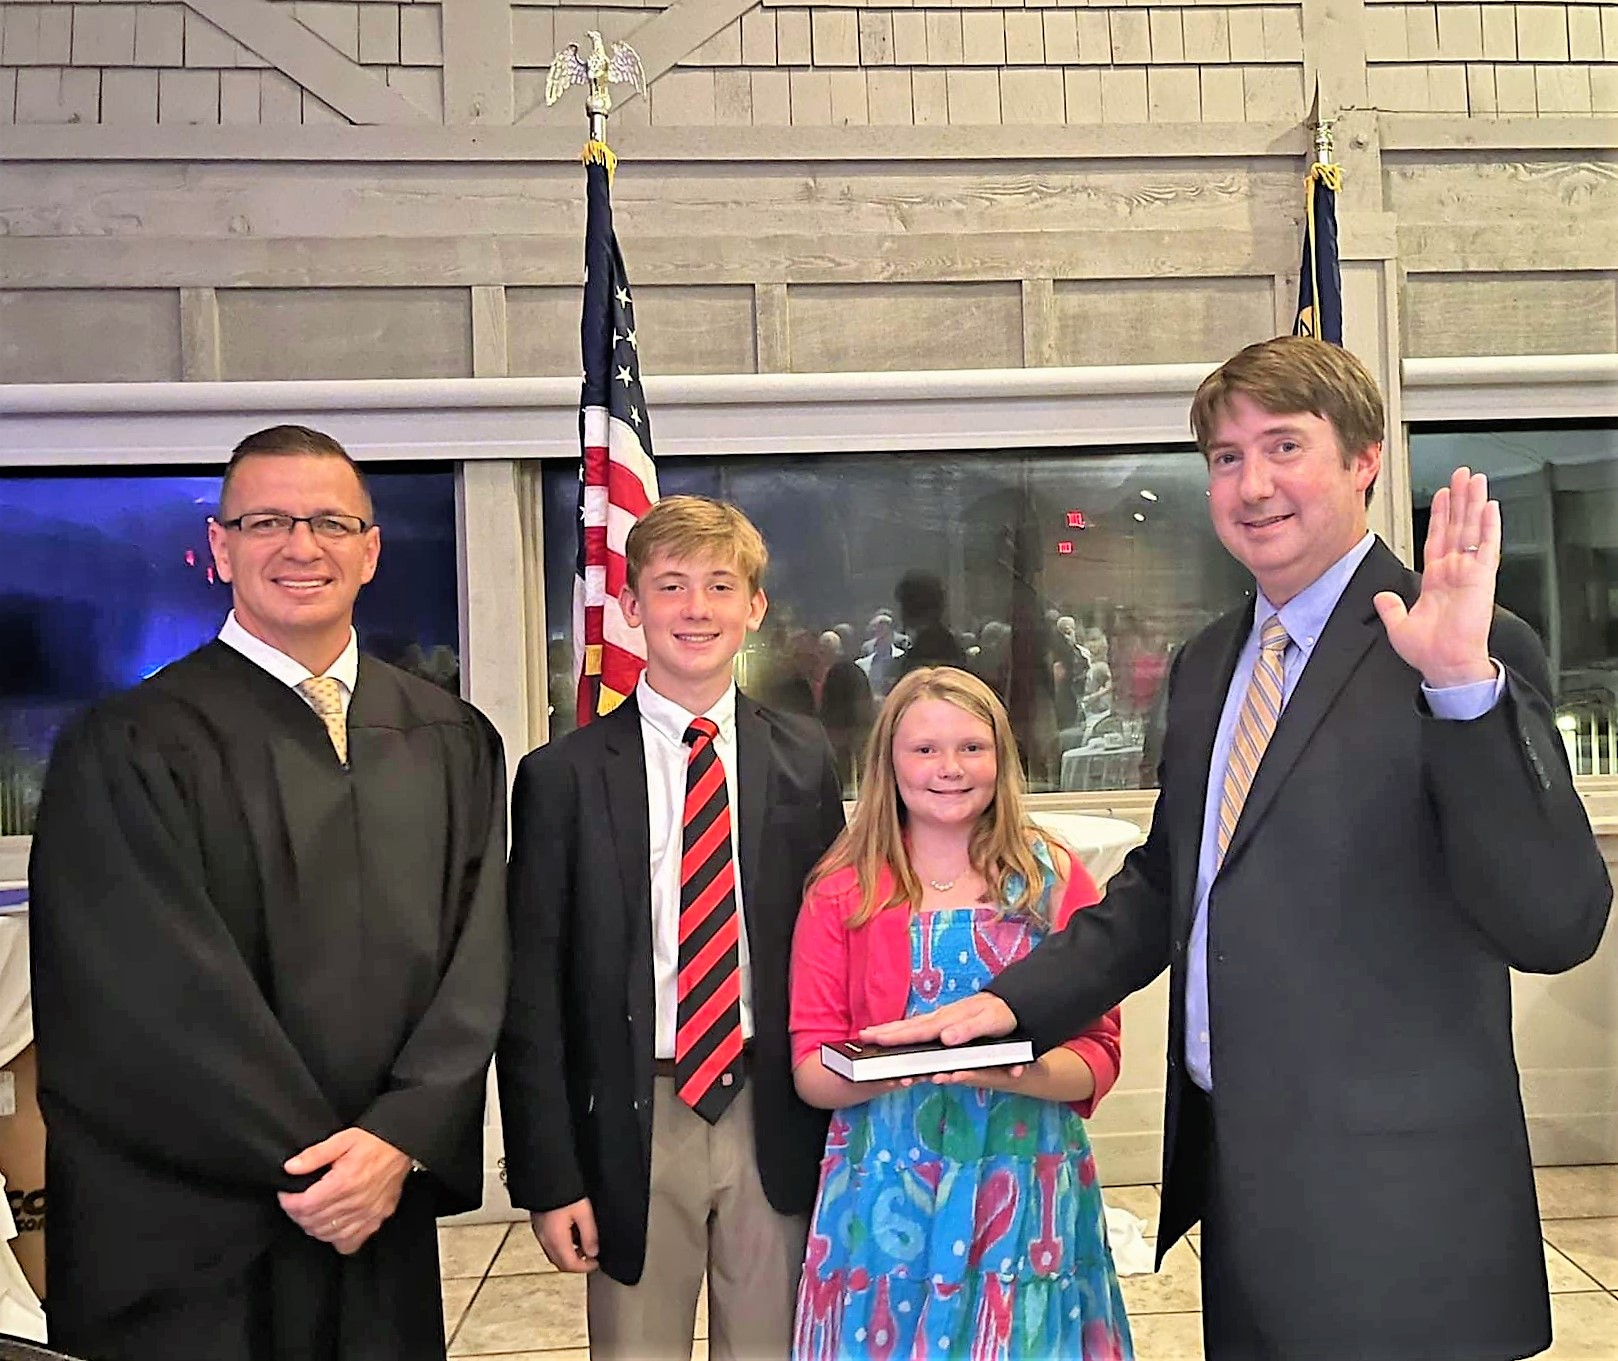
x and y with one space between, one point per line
1070 671
882 655
793 674
1098 692
994 655
846 706
920 597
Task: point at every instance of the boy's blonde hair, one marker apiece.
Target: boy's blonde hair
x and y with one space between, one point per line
692 527
1002 841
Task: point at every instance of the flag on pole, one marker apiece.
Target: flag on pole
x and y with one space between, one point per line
617 478
1320 279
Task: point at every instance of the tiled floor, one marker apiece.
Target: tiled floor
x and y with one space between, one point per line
503 1300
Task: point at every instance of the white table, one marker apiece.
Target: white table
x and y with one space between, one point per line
20 1312
1096 765
1100 843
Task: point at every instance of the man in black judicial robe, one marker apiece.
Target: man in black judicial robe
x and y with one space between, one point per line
270 961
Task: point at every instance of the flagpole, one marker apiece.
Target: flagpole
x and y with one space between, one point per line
1323 157
617 477
1319 285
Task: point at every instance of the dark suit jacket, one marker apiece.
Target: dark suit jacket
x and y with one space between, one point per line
1387 872
575 1061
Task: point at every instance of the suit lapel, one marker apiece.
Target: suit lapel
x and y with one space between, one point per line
1349 633
624 772
752 791
1203 706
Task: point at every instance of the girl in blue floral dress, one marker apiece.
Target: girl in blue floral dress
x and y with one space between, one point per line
958 1217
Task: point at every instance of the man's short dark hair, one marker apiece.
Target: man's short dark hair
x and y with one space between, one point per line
279 440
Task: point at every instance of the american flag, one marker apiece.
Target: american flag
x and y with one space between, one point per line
617 480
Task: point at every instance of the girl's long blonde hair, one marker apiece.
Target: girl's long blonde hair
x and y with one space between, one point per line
1001 848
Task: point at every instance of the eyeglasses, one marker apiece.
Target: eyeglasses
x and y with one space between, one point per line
272 524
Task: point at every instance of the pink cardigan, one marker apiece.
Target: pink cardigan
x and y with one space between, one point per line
844 979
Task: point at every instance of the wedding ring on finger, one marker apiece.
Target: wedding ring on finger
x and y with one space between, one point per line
1472 548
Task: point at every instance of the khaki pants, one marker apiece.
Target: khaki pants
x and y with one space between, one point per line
708 1211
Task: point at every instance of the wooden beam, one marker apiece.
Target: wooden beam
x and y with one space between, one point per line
773 339
1505 247
489 332
477 63
552 260
1038 322
1334 53
199 335
1423 132
1114 142
305 57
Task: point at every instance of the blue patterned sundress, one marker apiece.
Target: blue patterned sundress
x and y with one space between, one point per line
953 1221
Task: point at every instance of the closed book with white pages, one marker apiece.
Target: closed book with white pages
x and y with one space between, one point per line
877 1063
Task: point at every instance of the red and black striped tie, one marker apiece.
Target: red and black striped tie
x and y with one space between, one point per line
708 1043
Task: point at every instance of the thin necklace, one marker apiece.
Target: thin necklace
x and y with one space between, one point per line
941 888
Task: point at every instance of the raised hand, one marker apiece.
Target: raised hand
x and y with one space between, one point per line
1445 634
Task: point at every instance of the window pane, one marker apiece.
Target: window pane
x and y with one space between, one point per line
1064 578
1558 491
105 579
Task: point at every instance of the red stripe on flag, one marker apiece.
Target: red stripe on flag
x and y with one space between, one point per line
617 573
626 491
620 668
724 939
727 994
727 1053
695 858
692 917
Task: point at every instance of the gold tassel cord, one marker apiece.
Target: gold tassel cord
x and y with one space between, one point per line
599 153
1331 175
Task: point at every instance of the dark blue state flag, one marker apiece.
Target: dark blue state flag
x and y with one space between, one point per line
1320 278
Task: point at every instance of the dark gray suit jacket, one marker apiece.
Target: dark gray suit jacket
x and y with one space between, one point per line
1388 870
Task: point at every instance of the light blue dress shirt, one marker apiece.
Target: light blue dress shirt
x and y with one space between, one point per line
1304 618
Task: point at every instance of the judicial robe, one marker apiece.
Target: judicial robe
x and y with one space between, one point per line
241 946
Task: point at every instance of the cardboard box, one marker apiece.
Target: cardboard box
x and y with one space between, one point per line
22 1160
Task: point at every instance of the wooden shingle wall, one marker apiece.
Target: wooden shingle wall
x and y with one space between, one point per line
275 188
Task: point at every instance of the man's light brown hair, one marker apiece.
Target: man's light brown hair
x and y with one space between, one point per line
1291 374
280 440
693 528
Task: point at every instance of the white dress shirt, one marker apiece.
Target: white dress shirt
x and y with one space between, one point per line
288 670
662 730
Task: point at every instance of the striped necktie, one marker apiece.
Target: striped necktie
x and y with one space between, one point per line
325 696
1260 712
708 1042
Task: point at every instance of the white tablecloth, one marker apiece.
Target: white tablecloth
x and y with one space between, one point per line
16 1016
20 1311
1100 843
